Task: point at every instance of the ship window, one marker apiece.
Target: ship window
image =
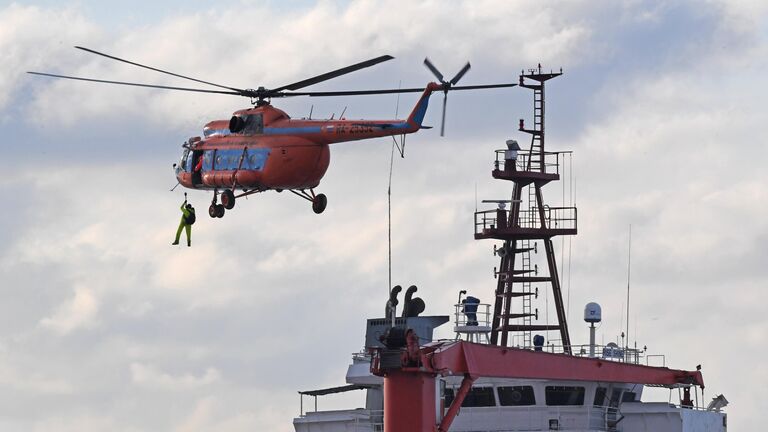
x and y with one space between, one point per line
448 397
564 395
516 396
628 396
600 395
615 397
477 397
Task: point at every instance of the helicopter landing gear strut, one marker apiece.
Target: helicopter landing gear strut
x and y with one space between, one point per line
318 201
216 210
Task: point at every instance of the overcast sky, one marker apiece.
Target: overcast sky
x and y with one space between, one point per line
105 326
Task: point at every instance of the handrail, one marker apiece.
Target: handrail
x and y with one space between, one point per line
554 218
524 159
482 314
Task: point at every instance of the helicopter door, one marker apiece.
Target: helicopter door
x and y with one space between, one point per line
196 167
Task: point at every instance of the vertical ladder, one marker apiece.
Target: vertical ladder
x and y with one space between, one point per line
526 266
528 225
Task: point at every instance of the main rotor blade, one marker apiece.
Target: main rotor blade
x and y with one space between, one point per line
442 124
388 91
157 70
434 70
333 74
354 92
479 87
138 84
461 73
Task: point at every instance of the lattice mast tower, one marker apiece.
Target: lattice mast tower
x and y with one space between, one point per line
527 223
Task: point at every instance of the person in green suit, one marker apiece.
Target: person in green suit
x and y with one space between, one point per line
187 219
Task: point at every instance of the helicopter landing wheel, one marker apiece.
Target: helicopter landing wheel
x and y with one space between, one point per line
216 211
319 203
228 199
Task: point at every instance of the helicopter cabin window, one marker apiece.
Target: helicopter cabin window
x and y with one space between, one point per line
516 396
564 395
254 124
255 159
231 160
208 160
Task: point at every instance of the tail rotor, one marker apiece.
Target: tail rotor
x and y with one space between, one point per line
446 85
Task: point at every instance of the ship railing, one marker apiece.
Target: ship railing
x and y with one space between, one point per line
527 162
469 315
610 352
572 417
362 356
373 422
554 218
352 420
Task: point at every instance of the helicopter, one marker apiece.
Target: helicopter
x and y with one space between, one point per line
261 148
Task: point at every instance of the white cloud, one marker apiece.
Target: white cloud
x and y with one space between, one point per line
78 312
667 123
22 49
150 376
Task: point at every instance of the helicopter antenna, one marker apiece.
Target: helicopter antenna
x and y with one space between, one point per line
311 107
341 116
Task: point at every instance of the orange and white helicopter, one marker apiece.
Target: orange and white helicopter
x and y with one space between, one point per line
261 148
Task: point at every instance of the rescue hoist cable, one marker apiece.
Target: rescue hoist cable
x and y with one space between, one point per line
389 219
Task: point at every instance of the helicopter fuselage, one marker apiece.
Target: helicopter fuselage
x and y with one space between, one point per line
262 148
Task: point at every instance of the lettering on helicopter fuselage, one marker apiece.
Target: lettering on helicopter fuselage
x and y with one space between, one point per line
354 129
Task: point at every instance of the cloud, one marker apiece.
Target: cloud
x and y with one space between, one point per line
151 376
22 49
338 36
79 312
661 102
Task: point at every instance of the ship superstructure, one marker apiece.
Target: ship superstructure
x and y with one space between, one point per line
500 373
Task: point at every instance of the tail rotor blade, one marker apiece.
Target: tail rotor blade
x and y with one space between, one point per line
461 73
442 124
434 70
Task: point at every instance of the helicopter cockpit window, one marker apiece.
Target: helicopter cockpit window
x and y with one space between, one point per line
183 163
254 124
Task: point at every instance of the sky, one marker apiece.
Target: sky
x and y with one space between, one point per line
105 326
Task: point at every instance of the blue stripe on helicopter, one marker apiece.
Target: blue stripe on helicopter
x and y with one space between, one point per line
229 159
421 110
292 130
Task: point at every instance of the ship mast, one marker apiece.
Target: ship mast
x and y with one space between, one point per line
528 222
